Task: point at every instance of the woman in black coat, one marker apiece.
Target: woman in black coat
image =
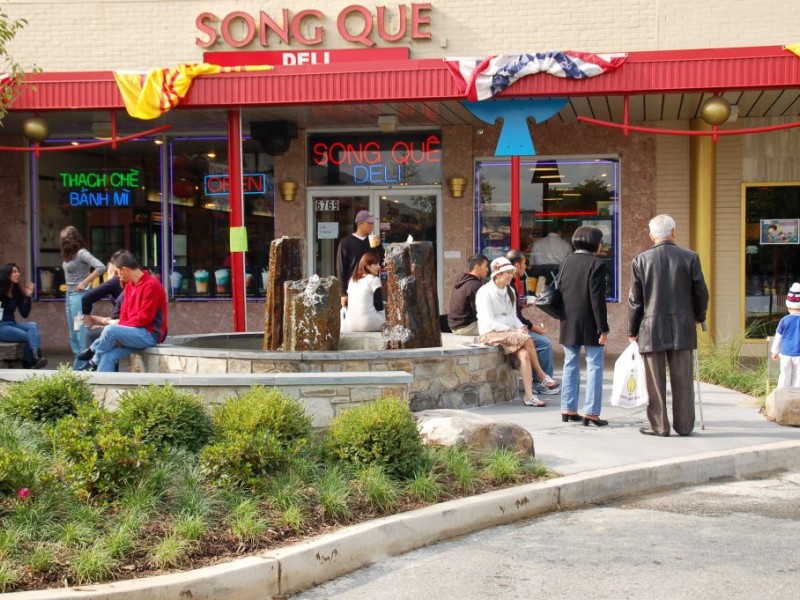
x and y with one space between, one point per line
583 287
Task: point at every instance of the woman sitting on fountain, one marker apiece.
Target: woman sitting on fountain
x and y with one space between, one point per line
498 325
365 301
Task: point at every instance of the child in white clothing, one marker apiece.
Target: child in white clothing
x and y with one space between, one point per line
786 345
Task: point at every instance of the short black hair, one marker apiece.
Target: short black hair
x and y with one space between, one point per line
475 260
515 256
125 258
587 238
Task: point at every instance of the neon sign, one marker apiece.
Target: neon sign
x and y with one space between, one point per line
101 188
375 160
252 184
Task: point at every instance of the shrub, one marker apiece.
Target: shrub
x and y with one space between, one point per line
100 459
382 433
46 399
167 418
721 364
22 463
257 434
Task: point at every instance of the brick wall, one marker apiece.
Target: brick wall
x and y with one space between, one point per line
75 35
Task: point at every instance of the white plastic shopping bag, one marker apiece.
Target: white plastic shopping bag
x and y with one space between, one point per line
343 322
629 389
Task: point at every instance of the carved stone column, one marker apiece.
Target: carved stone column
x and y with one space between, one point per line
311 314
412 303
286 260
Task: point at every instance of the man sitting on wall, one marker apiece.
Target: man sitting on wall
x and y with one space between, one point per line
142 318
462 315
541 343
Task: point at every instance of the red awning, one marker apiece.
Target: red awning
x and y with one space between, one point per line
716 70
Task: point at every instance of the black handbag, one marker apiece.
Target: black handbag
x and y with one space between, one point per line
550 301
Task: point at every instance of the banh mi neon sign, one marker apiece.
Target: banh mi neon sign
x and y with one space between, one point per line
100 187
355 23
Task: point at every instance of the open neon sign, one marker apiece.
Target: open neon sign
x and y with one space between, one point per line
253 184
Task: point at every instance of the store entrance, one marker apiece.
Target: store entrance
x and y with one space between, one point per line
332 213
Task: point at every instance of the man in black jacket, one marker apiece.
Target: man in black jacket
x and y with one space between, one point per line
668 298
462 315
353 247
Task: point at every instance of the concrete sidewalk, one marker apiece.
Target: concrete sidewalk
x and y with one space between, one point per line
732 421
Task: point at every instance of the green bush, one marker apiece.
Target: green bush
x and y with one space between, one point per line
256 434
721 364
166 417
46 399
22 462
99 459
382 433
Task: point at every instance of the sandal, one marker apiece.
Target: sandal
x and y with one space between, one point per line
534 401
549 383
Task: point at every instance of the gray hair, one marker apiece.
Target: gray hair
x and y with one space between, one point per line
661 226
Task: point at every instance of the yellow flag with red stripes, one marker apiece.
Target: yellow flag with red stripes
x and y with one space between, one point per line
150 95
793 48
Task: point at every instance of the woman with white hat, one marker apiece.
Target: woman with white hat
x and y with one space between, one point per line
498 325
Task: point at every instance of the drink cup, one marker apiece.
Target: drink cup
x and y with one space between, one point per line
374 240
530 285
77 322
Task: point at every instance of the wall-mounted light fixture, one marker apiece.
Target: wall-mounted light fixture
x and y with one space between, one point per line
457 185
387 123
288 190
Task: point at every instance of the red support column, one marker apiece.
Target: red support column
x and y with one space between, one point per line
236 199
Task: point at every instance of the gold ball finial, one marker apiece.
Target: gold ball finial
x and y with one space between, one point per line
716 110
35 129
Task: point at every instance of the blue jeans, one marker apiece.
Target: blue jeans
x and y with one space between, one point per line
544 352
77 339
571 379
118 341
26 332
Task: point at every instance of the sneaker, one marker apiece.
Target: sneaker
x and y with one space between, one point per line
40 363
86 354
543 389
89 366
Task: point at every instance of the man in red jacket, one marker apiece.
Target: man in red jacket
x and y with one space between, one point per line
142 318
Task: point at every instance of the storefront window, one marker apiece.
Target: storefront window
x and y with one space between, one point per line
557 195
114 198
771 254
107 195
200 217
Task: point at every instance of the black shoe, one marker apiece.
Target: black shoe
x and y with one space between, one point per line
86 354
566 417
646 431
597 421
89 366
40 363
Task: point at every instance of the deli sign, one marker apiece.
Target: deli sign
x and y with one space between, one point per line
354 23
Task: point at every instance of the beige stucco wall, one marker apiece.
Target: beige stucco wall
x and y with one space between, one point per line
75 35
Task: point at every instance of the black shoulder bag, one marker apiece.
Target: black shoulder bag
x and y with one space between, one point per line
550 301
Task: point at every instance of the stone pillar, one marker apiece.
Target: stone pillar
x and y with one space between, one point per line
412 303
311 314
286 259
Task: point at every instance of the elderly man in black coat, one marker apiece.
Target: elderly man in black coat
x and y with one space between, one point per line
668 298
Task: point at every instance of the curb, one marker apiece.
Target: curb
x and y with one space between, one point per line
295 568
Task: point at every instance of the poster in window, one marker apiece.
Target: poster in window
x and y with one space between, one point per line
779 231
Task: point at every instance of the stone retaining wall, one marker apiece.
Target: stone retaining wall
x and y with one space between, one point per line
457 375
323 396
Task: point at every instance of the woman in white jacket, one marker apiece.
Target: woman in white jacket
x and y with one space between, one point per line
498 325
364 293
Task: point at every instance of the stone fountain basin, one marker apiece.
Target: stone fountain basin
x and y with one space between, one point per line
459 374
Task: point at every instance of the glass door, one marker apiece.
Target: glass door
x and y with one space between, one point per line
401 213
332 217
